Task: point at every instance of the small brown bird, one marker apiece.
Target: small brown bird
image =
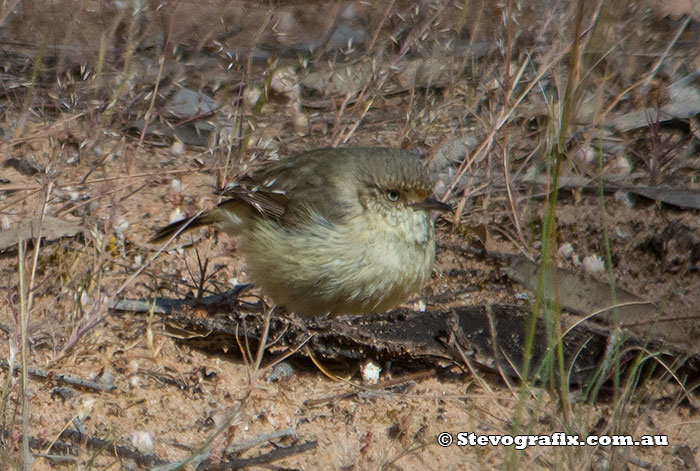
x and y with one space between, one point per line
339 231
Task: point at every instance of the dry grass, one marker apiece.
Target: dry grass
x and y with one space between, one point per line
497 97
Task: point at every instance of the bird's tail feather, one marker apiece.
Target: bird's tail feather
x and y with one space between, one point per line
183 225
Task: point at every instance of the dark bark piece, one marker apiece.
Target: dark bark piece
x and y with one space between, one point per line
492 336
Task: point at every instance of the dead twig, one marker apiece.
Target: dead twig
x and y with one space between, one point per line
67 446
66 379
267 458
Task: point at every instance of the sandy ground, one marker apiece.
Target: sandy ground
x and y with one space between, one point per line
177 401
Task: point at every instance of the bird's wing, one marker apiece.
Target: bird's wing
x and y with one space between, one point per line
267 203
291 190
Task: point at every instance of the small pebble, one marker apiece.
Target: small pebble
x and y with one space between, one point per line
565 250
142 441
175 215
251 95
63 392
121 225
280 371
370 372
593 264
177 147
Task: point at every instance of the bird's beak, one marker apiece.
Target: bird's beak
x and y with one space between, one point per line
432 204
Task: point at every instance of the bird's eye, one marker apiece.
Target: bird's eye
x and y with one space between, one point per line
393 195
